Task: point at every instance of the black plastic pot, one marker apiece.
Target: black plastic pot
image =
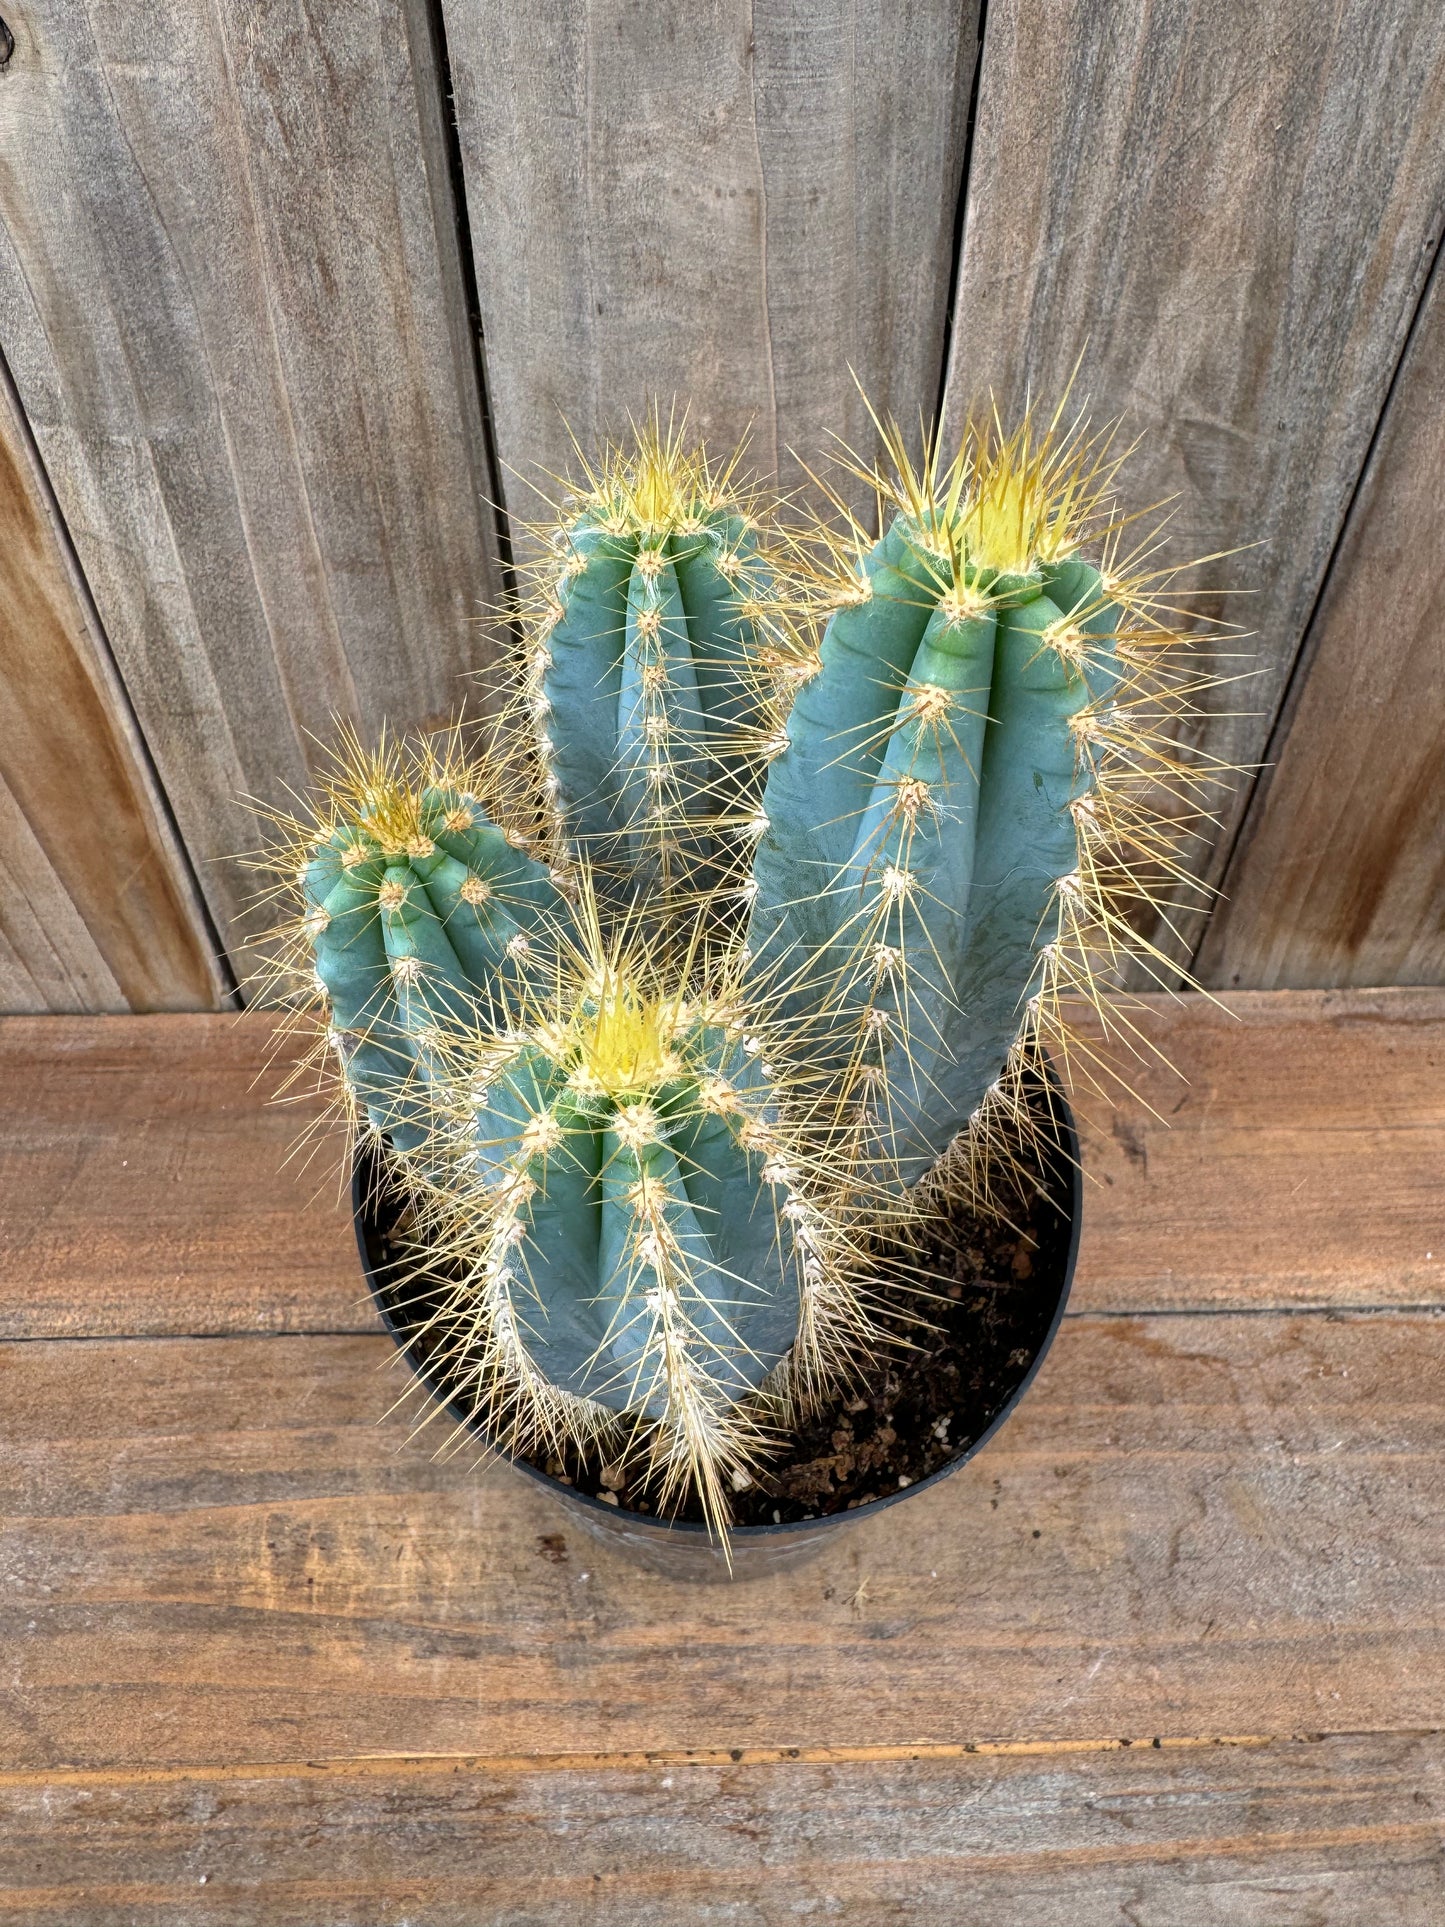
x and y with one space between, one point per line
682 1550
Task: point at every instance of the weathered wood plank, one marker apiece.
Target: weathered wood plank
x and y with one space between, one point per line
224 295
727 204
1292 1156
1339 875
145 1185
225 1550
1294 1159
98 908
1311 1834
1226 216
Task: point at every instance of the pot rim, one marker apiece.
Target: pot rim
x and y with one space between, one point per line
693 1530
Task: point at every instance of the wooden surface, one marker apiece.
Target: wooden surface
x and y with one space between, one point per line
171 1200
1335 1832
1339 877
98 907
228 295
736 205
226 1550
269 1659
1229 214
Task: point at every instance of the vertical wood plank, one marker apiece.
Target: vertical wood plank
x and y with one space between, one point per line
1339 874
98 909
224 293
1228 213
730 205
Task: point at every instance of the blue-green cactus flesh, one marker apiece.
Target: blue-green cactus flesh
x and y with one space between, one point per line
636 1222
418 911
921 822
646 692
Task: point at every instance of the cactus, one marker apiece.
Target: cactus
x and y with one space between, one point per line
654 666
959 829
649 1246
417 911
655 1234
654 1144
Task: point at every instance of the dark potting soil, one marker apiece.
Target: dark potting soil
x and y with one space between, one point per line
957 1348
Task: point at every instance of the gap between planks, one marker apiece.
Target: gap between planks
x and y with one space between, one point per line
1088 1317
427 1765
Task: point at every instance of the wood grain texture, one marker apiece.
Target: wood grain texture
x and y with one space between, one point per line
728 204
229 1568
147 1185
1292 1157
98 907
226 300
1226 216
231 1550
1329 1833
1339 875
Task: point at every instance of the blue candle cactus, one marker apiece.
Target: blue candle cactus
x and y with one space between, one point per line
757 916
655 675
930 869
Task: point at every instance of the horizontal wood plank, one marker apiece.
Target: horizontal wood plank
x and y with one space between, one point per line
1291 1157
1339 875
1219 220
148 1185
232 1550
1328 1833
1289 1151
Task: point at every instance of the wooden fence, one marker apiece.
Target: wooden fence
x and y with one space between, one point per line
295 297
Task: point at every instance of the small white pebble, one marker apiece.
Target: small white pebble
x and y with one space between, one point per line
933 1575
203 1879
585 1575
777 1517
903 1479
668 1781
